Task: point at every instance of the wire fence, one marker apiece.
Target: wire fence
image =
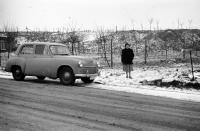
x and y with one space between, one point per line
114 59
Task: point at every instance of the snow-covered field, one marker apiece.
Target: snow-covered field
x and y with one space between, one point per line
115 79
141 75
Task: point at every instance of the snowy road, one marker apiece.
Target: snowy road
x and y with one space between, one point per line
33 105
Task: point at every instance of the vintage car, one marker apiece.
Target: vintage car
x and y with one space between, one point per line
53 60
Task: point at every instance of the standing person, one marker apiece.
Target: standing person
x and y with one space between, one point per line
127 56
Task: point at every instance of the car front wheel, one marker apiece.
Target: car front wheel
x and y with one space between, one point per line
17 73
87 80
66 76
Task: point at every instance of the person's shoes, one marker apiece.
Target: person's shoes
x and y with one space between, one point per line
126 76
130 77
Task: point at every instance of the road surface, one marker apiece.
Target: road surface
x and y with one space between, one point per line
34 105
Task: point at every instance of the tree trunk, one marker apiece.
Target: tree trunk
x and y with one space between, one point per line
78 47
105 57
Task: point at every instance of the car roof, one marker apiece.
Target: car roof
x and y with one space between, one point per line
42 43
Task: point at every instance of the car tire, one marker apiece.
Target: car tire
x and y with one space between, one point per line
67 76
87 80
41 77
17 73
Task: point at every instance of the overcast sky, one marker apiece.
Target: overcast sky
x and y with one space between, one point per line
92 14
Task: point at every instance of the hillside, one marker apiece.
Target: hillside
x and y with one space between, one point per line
96 42
183 38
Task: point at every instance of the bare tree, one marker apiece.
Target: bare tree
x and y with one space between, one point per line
74 37
101 37
147 41
142 27
157 25
133 24
181 25
150 23
189 22
12 33
178 23
165 45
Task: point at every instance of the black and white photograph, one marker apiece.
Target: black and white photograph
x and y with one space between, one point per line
99 65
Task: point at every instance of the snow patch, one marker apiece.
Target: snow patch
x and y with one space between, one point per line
115 79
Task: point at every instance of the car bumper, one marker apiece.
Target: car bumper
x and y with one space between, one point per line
5 69
91 76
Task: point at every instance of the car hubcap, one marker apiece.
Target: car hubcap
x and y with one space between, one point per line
67 75
17 72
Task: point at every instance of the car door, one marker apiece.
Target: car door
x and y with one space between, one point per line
40 64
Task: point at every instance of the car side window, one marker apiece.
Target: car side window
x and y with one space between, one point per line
40 50
27 49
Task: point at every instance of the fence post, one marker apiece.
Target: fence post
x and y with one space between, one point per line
0 54
111 53
72 48
191 66
145 52
9 50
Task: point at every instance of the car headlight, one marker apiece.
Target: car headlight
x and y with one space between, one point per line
98 64
80 64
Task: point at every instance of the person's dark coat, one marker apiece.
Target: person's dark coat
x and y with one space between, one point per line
127 56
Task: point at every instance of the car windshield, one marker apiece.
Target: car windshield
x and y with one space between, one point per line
59 50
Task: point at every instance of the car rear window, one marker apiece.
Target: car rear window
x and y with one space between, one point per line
59 50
